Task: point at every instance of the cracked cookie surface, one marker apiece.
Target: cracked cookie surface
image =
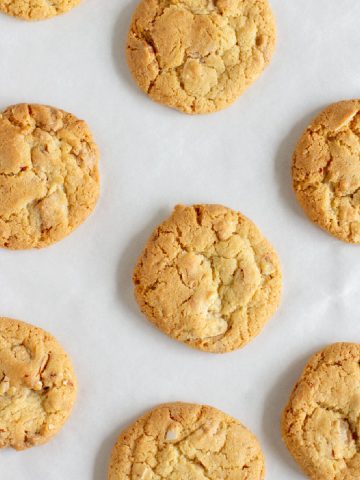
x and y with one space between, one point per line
321 423
326 170
180 440
37 385
198 56
36 9
208 278
49 180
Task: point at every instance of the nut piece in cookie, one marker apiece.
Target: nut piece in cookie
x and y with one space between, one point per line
37 385
186 441
36 9
326 170
208 278
321 423
49 179
198 56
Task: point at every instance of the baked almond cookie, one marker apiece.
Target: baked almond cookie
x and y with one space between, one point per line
321 423
208 278
179 441
37 385
326 170
36 9
198 56
49 180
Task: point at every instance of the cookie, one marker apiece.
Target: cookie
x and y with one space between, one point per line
36 9
185 441
321 423
37 385
49 180
198 56
208 278
326 170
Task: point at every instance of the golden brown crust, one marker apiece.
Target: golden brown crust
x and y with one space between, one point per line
36 9
49 180
198 56
208 278
326 170
179 441
321 423
37 385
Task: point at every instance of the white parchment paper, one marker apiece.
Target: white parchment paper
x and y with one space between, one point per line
152 158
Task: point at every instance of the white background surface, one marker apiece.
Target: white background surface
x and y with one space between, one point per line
152 158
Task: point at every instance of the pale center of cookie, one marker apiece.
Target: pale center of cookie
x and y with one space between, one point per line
223 284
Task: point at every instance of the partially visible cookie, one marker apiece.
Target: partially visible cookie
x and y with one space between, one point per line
49 180
198 56
321 423
36 9
326 170
37 385
208 278
179 441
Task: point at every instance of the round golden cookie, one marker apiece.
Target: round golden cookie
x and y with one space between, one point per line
49 180
321 423
37 385
208 278
36 9
180 441
198 56
326 170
